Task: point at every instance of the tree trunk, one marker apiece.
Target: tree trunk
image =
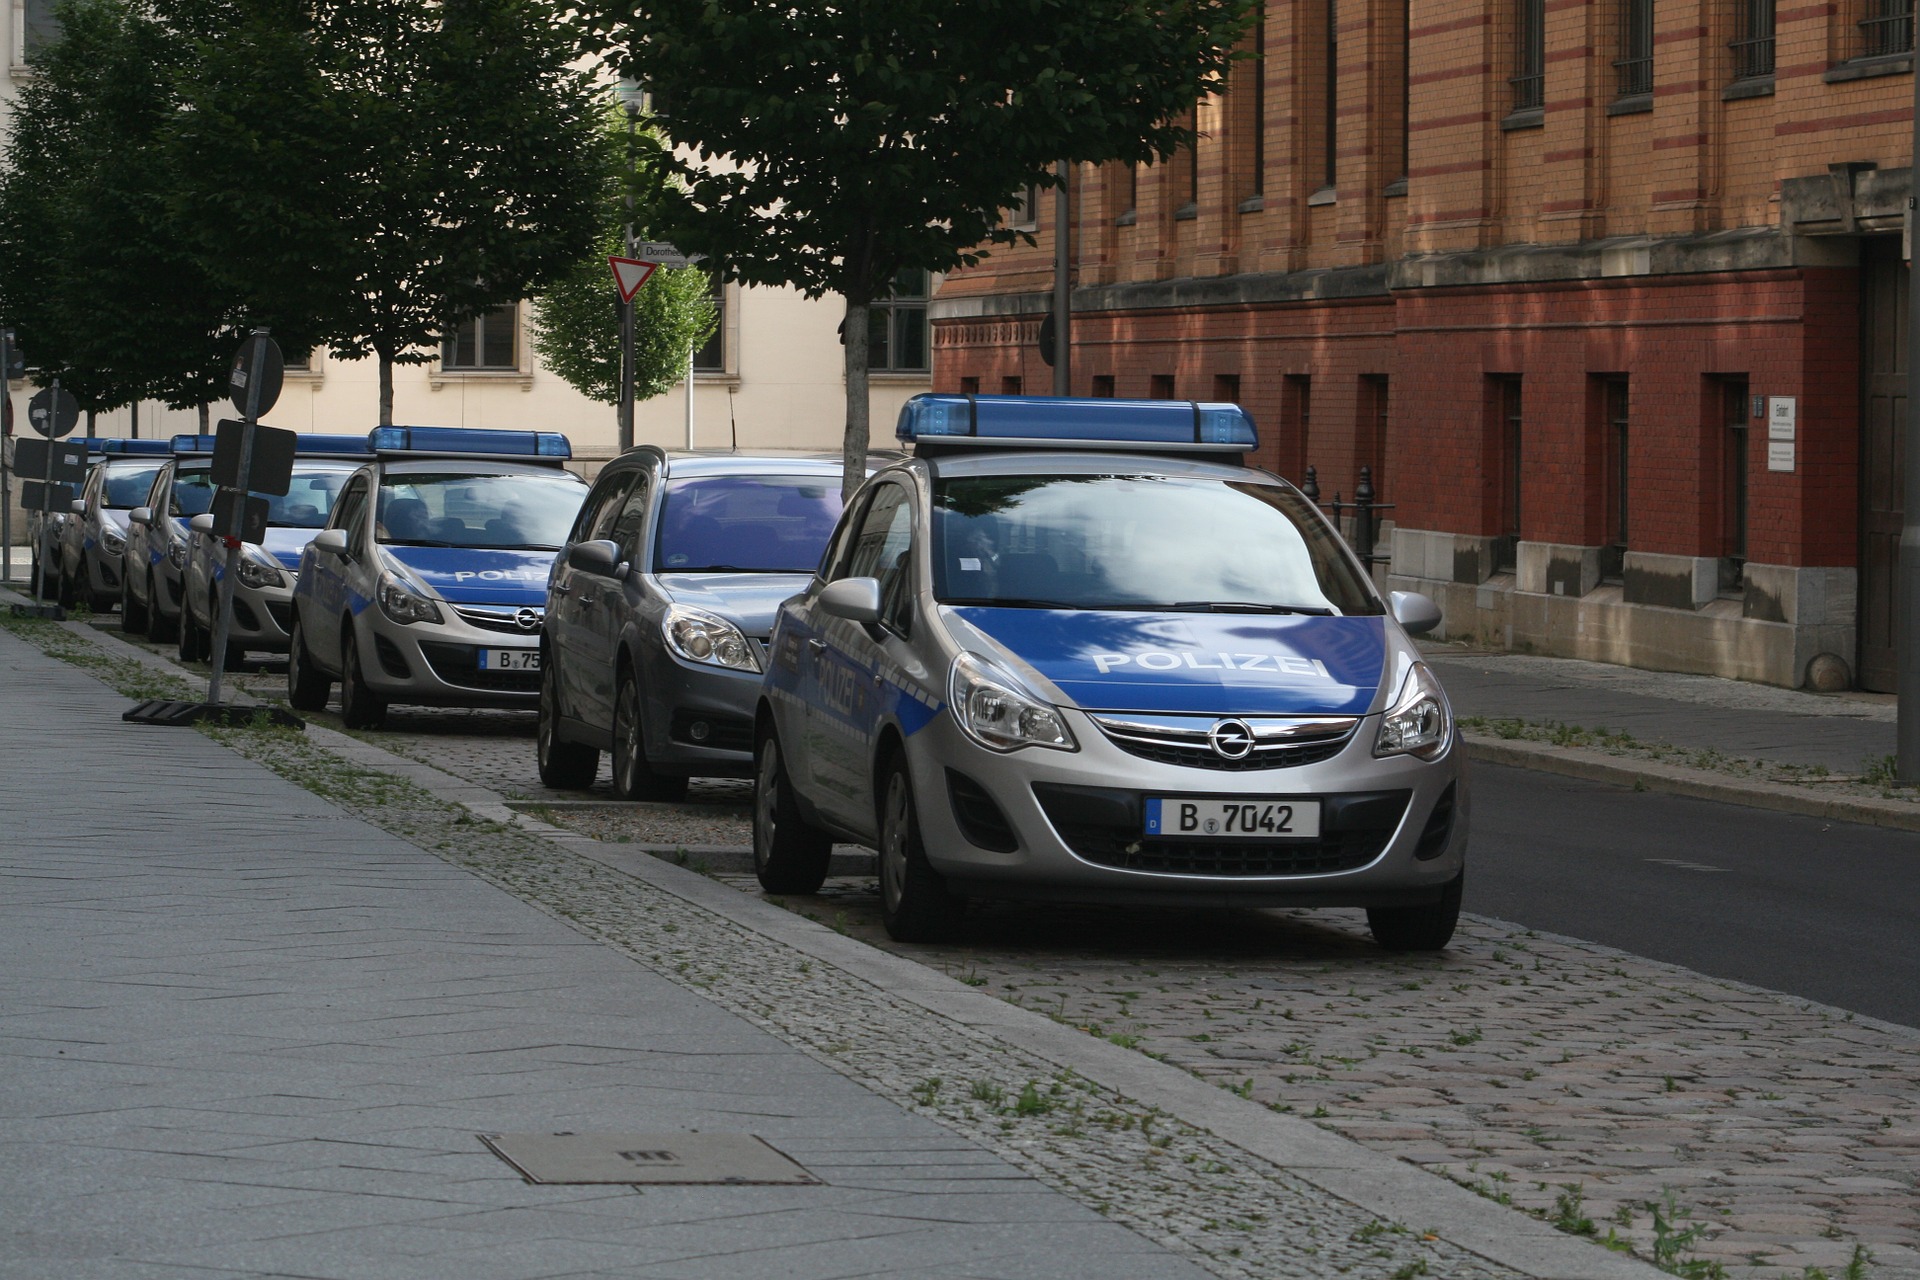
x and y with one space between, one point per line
386 386
853 452
206 412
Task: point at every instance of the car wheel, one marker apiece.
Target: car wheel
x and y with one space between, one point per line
633 776
307 685
360 706
67 590
160 628
915 906
566 766
1424 928
236 651
133 614
790 855
191 642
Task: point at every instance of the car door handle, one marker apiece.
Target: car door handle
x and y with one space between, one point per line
559 590
586 597
817 645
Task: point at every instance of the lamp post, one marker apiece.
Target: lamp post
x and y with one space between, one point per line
630 94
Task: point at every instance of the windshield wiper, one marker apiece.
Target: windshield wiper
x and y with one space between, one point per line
416 542
1245 606
1011 602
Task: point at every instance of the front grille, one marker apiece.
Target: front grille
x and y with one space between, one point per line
501 618
723 733
1105 826
392 661
1183 740
457 664
981 820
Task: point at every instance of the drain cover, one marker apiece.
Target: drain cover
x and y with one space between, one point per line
657 1159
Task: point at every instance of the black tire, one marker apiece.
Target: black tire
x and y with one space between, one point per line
633 776
564 766
66 590
790 855
1424 928
307 686
160 628
133 614
190 641
236 651
360 707
915 905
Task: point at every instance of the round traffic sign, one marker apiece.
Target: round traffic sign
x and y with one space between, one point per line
270 374
53 417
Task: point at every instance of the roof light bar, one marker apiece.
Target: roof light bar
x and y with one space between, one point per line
470 441
308 444
129 447
190 444
1055 421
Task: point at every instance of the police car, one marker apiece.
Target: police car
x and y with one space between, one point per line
428 584
1077 650
263 590
95 540
155 559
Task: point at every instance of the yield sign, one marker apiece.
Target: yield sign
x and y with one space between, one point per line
628 275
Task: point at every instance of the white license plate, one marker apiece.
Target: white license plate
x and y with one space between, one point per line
1234 819
509 659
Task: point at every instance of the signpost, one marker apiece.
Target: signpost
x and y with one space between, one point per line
9 355
52 413
657 253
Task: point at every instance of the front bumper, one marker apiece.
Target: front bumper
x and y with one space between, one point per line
438 664
1068 825
698 719
262 617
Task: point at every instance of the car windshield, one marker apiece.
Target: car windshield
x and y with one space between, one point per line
748 524
127 486
192 493
518 511
1138 542
308 499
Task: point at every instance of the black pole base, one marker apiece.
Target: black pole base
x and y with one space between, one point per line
52 611
163 711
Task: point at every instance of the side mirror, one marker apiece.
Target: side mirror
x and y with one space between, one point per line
141 516
202 523
79 506
855 599
331 541
1416 613
601 556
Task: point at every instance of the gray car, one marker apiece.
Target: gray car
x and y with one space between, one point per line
155 560
1076 650
658 613
93 561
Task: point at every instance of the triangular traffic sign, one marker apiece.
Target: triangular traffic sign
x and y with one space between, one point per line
628 275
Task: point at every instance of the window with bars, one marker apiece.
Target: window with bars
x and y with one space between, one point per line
1736 441
1615 427
1330 122
1886 28
1635 63
1529 79
40 26
712 355
487 341
1752 45
897 326
1509 423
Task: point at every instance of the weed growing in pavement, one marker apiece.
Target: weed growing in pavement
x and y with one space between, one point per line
123 675
1030 1102
1567 1215
988 1092
1671 1242
1856 1267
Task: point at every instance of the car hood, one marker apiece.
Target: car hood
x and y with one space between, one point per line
1195 663
285 545
465 575
117 518
747 599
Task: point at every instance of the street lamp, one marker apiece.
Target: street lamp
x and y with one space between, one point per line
632 98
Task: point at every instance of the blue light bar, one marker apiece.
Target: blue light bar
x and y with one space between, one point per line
470 441
307 444
122 447
190 444
1060 421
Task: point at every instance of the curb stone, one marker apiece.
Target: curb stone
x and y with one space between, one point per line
1380 1184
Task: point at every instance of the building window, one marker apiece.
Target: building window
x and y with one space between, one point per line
40 27
1887 28
1160 387
969 386
1024 213
1635 63
1370 434
897 326
1296 418
1733 410
1530 55
1226 388
485 341
1330 120
1615 454
1508 440
1256 183
1010 386
1103 386
1405 132
1752 44
712 355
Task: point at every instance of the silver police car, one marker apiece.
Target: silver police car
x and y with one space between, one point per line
1076 650
156 554
658 613
428 584
93 559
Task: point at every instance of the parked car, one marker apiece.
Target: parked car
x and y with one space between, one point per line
155 560
263 587
659 609
1077 650
94 542
427 584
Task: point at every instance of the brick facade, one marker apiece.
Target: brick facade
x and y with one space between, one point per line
1383 248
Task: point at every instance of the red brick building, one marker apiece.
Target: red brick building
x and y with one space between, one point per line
1608 295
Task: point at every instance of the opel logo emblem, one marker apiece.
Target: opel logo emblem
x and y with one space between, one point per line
1231 739
528 619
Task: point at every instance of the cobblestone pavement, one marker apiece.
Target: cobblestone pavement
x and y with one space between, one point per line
1567 1078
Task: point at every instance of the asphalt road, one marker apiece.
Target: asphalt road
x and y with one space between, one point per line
1825 910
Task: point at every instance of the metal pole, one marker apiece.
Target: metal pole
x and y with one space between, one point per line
690 355
627 373
1906 630
6 482
46 481
1063 282
223 620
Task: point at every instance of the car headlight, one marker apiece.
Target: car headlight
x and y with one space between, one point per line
402 603
998 713
177 554
1418 723
699 636
111 542
260 572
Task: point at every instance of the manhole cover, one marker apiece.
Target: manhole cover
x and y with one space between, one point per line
660 1159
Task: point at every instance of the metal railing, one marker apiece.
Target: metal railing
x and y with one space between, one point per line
1355 520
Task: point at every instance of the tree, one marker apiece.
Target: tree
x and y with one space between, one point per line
830 146
576 327
386 167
